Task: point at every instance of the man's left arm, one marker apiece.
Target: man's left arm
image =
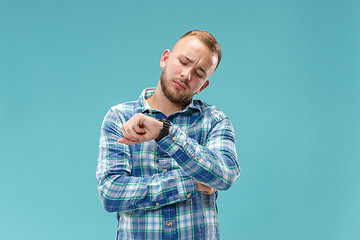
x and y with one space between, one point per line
214 163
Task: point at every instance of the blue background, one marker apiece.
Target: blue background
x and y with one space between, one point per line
289 80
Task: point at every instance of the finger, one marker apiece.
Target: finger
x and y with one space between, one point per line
129 133
124 141
209 192
208 189
139 130
137 137
127 141
135 132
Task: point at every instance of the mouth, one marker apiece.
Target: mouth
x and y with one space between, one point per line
179 85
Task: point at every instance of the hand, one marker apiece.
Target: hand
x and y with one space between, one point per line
203 188
140 128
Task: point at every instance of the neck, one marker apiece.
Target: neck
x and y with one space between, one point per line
159 102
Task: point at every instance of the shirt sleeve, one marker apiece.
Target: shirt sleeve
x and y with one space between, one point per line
119 191
213 163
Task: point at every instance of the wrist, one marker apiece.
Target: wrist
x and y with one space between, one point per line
165 130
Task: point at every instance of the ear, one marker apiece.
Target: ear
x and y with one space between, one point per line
204 86
164 58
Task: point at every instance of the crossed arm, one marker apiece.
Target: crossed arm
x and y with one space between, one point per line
202 168
142 128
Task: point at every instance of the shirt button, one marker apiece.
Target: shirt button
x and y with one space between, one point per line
157 204
174 138
188 195
164 170
169 224
196 158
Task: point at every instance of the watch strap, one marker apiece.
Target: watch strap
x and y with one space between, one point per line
165 129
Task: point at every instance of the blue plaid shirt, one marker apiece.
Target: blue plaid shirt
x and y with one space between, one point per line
151 185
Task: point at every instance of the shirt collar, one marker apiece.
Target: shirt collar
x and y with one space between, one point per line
143 106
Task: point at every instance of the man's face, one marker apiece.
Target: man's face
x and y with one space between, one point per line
186 70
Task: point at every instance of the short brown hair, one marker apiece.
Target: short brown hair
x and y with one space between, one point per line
208 39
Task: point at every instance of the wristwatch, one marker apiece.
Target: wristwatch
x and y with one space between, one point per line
165 130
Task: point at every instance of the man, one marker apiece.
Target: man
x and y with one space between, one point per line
163 157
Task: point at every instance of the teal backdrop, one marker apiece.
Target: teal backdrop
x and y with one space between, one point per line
289 80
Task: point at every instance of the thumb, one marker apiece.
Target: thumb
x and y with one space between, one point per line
125 141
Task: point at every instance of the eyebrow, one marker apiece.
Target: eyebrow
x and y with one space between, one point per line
200 68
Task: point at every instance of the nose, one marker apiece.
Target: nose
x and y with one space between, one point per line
186 74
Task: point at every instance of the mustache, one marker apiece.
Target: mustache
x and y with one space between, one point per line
182 81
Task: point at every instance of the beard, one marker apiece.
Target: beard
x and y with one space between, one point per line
180 99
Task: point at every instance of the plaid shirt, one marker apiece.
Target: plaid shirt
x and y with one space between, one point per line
151 185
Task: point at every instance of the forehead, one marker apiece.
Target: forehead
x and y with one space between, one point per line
193 48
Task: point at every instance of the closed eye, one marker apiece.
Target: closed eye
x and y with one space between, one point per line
182 62
197 74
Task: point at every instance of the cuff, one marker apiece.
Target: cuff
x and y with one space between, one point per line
186 185
174 141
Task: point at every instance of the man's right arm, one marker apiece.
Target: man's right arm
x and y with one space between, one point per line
119 191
